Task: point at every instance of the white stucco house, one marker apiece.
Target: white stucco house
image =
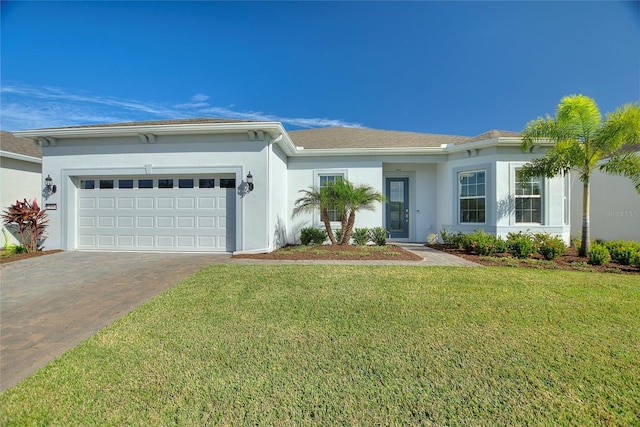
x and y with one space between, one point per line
182 185
615 207
20 176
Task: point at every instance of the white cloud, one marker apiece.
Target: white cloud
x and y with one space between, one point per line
29 107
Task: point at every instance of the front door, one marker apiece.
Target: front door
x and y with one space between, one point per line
398 207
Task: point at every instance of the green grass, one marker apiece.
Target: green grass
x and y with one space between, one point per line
352 345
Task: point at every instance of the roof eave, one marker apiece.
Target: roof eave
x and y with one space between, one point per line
22 157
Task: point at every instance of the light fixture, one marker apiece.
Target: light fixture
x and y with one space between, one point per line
48 183
250 181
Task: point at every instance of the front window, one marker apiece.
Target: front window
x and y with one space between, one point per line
528 199
325 181
472 196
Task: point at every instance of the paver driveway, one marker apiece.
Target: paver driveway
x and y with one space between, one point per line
49 304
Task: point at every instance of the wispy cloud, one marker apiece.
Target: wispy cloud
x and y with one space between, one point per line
30 107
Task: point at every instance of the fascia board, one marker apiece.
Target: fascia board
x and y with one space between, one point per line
300 152
171 129
16 156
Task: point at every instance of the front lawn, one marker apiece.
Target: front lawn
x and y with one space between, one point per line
355 345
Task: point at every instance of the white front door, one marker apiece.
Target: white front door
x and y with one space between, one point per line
173 213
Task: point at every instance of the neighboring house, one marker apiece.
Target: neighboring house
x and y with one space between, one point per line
20 175
615 207
182 185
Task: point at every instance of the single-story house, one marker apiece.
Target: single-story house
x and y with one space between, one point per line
20 177
219 185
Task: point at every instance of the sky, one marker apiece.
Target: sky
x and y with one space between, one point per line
457 68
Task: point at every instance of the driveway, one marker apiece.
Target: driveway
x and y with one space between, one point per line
49 304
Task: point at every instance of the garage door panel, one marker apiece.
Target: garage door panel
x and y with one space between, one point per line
163 219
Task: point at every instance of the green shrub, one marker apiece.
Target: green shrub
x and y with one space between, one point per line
636 260
311 235
482 243
16 249
623 252
338 233
550 247
520 244
379 236
452 239
599 254
360 236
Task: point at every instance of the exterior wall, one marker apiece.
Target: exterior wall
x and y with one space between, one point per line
303 173
278 196
500 166
615 208
169 155
19 180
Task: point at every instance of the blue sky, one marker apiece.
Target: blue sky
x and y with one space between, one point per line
457 68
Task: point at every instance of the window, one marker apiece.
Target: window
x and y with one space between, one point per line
227 183
165 183
185 183
472 196
145 183
325 181
106 184
206 182
125 183
528 199
87 184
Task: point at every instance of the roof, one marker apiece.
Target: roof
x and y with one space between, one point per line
22 146
343 137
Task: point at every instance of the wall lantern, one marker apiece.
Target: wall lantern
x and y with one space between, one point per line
48 184
250 181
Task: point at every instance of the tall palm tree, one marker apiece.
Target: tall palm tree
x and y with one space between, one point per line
315 199
350 199
582 140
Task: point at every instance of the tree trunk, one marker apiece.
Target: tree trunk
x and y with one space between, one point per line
586 228
324 215
348 230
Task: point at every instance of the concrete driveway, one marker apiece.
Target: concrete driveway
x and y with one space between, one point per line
49 304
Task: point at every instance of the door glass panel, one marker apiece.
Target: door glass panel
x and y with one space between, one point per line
87 184
397 214
125 183
145 183
106 184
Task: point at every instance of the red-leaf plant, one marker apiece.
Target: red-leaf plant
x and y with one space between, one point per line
31 222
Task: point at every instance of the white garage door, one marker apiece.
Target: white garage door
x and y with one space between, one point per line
189 214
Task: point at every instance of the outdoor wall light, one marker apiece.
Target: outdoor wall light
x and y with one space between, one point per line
250 181
48 184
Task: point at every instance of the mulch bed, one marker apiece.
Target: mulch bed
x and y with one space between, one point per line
18 257
569 261
337 253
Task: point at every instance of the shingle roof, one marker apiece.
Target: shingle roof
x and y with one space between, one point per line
342 137
24 146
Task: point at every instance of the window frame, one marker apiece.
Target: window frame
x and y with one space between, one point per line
333 213
475 196
516 197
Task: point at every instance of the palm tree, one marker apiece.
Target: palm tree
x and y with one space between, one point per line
350 199
582 140
314 199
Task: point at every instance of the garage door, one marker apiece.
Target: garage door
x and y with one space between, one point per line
190 214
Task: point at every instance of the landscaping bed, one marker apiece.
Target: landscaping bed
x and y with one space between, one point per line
337 253
569 261
8 257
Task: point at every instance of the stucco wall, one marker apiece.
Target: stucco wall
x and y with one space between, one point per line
194 154
19 180
615 208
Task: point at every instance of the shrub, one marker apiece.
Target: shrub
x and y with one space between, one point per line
599 254
482 243
379 236
338 233
15 249
30 220
360 236
550 247
636 260
310 235
623 252
520 244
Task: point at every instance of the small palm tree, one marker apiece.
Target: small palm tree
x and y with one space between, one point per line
582 140
316 199
349 199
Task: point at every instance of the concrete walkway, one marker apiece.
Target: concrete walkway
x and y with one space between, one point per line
49 304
